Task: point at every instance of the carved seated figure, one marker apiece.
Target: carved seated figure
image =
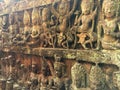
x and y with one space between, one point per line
109 26
79 79
35 32
23 37
13 27
86 23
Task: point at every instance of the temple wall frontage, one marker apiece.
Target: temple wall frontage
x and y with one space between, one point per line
59 44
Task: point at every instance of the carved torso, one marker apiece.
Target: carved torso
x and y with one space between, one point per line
109 27
35 31
86 21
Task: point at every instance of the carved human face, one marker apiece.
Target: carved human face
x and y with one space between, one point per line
7 2
109 11
86 7
62 8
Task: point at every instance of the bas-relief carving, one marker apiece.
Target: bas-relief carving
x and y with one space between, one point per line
35 32
47 34
86 23
79 77
53 75
55 28
64 25
110 25
64 35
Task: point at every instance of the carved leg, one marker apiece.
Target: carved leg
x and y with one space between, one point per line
98 45
65 44
89 41
84 45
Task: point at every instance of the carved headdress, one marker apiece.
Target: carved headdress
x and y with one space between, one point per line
35 16
26 18
45 13
88 3
113 4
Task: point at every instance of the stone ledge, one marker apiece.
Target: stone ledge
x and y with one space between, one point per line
94 56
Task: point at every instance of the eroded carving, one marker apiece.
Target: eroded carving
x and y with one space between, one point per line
109 25
86 24
79 77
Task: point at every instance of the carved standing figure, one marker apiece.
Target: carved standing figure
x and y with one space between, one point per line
44 78
33 78
47 36
109 25
86 23
63 15
60 81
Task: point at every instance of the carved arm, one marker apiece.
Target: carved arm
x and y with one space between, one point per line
117 34
74 6
37 33
54 11
77 19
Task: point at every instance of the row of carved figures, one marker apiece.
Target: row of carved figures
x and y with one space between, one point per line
15 75
94 25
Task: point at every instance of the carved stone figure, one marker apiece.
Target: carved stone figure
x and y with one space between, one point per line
33 79
4 26
59 80
97 78
63 15
9 84
44 78
13 27
47 35
35 32
58 61
5 23
2 84
86 23
24 35
109 25
79 79
117 80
